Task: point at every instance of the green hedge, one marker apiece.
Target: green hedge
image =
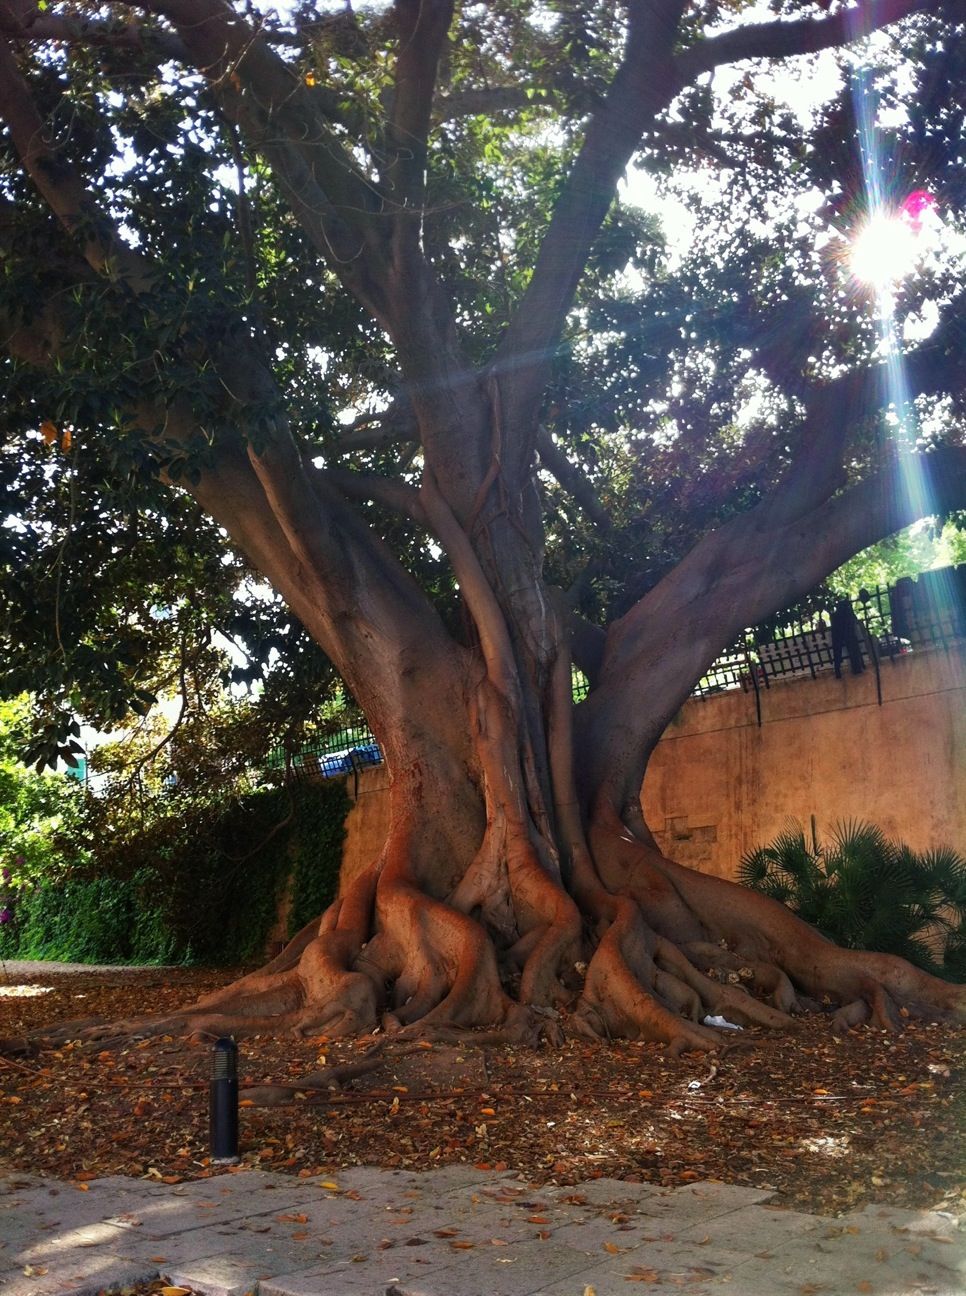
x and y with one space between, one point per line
204 887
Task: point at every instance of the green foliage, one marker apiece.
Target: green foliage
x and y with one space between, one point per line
39 815
94 920
677 383
917 549
199 884
316 849
864 891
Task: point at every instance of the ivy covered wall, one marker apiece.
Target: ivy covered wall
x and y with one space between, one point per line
199 885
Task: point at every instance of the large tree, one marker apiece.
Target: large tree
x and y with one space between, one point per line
358 294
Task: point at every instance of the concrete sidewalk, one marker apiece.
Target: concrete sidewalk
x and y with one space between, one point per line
457 1231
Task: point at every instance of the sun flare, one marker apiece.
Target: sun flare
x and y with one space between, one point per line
885 250
888 245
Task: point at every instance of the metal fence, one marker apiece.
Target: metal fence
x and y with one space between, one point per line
877 626
344 751
826 633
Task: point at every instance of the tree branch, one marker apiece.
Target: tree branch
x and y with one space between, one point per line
423 27
339 207
61 187
484 100
734 578
369 433
644 83
779 40
33 25
834 410
398 496
571 479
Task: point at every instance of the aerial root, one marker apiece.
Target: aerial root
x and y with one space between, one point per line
615 1002
768 979
719 999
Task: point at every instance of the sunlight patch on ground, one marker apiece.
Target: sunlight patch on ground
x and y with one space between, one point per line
827 1145
23 991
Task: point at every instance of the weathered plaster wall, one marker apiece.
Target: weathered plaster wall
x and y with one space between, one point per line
718 785
367 823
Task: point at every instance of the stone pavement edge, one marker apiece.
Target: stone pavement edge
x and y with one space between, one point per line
457 1231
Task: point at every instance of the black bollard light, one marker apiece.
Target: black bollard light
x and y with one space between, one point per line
223 1105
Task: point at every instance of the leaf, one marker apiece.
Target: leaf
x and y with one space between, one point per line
49 432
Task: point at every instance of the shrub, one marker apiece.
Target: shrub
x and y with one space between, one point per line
198 882
864 891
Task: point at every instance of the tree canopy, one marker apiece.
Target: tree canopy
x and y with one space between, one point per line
674 379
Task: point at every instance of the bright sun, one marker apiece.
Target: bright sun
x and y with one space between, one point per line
885 250
887 247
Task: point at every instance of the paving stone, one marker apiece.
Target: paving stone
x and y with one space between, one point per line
285 1253
907 1261
939 1223
759 1228
448 1178
160 1216
799 1271
605 1192
707 1199
660 1270
289 1237
518 1271
371 1279
79 1274
124 1184
12 1181
231 1274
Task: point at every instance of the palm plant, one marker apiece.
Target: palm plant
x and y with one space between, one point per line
865 891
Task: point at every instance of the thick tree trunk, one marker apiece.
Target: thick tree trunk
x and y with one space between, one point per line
492 909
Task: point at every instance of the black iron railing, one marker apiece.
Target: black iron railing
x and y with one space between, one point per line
856 635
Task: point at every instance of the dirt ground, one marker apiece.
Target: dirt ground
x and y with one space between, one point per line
829 1123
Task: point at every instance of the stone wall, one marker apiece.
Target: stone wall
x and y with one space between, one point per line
367 823
718 784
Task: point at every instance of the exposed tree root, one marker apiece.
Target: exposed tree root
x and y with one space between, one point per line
634 946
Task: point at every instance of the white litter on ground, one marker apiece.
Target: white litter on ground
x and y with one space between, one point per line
721 1023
